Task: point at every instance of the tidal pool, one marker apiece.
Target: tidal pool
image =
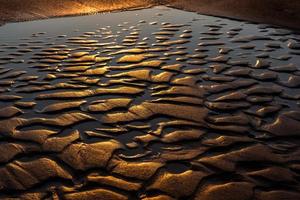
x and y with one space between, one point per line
149 104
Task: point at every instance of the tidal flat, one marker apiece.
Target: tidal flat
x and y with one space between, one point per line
152 104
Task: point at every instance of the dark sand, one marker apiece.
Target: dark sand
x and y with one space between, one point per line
277 12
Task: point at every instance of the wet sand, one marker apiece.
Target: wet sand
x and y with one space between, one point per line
151 104
277 12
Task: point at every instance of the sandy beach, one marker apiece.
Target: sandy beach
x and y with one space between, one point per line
149 104
20 10
277 12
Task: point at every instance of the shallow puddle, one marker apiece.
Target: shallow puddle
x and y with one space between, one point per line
149 104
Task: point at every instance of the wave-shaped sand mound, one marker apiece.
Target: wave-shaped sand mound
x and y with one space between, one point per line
22 10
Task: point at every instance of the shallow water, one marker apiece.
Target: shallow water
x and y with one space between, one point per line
149 104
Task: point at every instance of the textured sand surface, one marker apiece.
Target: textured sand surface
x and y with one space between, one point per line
150 104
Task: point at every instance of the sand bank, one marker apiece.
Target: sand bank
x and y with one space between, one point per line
24 10
277 12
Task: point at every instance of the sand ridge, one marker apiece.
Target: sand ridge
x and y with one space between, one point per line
276 12
20 10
